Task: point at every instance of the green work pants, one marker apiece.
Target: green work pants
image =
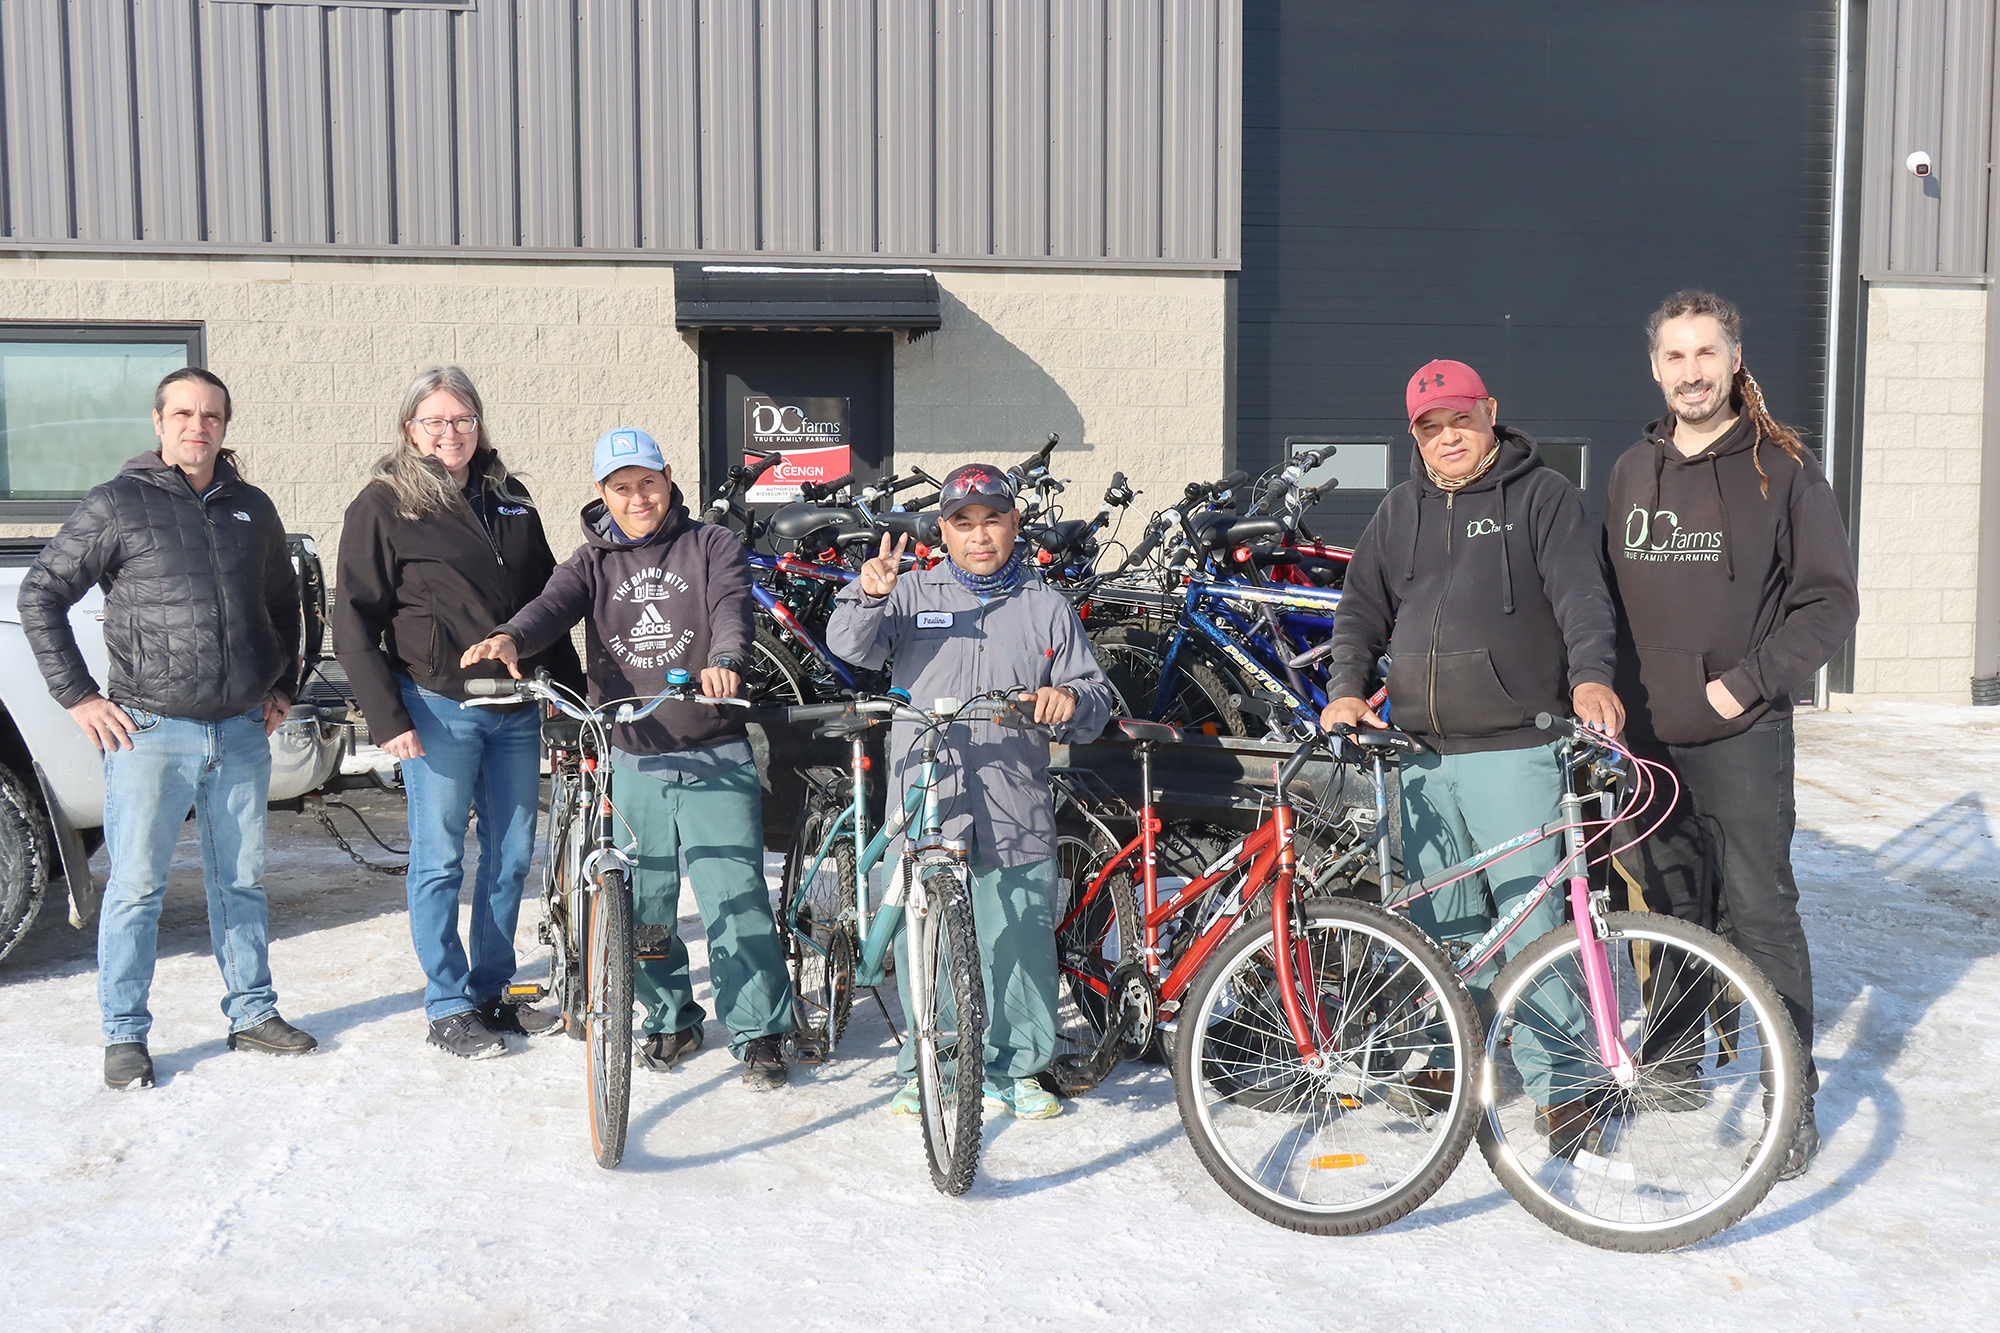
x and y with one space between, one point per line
718 822
1013 914
1458 805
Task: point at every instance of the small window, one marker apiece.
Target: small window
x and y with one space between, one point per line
1569 456
76 401
1358 462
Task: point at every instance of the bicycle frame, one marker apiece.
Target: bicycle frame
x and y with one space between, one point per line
1207 605
785 617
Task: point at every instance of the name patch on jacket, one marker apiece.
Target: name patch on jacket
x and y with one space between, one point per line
933 620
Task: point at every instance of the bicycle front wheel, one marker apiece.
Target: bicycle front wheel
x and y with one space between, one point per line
818 916
950 1032
607 978
1695 1142
1372 1127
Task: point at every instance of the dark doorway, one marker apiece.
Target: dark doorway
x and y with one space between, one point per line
818 388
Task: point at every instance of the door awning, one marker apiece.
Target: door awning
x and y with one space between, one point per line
807 300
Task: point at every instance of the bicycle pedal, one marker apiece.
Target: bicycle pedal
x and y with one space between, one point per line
1075 1075
523 993
807 1052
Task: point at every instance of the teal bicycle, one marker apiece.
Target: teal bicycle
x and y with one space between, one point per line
839 938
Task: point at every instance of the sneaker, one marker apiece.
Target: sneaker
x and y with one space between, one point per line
466 1036
661 1051
1805 1146
500 1016
910 1101
1025 1097
126 1063
764 1062
1422 1095
1673 1085
273 1036
1570 1127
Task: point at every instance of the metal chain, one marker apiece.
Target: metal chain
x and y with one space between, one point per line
317 809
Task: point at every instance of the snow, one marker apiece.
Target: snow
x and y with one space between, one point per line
380 1184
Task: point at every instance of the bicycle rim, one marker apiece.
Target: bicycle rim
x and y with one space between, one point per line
608 1021
1349 1146
1657 1173
950 1034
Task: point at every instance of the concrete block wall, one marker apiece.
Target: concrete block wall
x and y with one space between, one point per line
1128 368
1923 415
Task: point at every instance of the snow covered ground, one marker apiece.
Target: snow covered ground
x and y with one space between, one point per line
380 1184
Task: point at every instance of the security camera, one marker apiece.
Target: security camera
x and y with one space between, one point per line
1919 163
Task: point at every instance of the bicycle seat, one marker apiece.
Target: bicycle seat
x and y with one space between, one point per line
1061 536
793 521
1385 740
846 726
917 527
1148 733
560 732
1219 530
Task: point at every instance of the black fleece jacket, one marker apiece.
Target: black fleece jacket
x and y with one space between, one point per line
1715 581
1491 603
201 606
679 598
414 594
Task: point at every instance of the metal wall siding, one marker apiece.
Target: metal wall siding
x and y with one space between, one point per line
1008 129
1930 87
846 134
425 126
608 83
169 167
788 125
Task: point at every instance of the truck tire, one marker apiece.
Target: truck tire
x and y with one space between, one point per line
27 855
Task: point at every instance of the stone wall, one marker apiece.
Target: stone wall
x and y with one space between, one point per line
1922 441
1128 368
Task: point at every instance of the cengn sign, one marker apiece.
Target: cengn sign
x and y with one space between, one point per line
811 433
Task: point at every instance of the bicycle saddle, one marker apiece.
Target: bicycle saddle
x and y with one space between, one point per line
917 527
1219 530
1386 740
1060 536
847 725
1148 733
793 521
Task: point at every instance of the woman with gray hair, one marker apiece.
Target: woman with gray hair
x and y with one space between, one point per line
442 544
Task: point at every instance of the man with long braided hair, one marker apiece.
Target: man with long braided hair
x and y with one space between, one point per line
1734 583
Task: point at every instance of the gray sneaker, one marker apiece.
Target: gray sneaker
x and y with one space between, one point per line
126 1064
466 1036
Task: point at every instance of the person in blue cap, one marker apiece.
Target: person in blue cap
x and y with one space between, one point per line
656 591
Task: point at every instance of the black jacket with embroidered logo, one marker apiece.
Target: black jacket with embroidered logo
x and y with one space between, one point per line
201 607
1491 603
414 594
1714 581
680 598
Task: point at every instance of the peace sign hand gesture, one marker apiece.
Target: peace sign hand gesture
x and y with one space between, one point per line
878 576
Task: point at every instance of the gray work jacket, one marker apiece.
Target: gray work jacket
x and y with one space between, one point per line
993 780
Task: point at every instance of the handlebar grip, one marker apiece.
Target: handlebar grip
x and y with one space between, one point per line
489 687
1232 481
1562 726
1297 762
897 487
1147 544
820 490
815 712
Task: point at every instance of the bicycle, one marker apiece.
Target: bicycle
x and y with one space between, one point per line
586 888
839 940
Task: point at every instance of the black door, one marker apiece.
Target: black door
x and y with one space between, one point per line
819 396
1518 186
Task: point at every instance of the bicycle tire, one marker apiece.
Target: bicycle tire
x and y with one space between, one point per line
822 943
950 1031
608 1046
568 904
772 677
1659 1179
1090 948
1353 1145
1133 658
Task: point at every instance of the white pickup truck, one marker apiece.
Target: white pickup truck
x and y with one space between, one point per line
52 777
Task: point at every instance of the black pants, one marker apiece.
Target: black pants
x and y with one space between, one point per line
1723 859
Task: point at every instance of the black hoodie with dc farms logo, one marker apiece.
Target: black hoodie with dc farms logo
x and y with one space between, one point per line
1716 581
1491 603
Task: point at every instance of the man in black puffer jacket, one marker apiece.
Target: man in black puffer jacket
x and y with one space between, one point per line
201 622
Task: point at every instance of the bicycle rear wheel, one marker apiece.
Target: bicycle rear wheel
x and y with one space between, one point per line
1353 1144
818 917
608 1014
950 1032
1091 943
1697 1141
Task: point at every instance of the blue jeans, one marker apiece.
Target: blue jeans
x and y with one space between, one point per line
222 772
474 759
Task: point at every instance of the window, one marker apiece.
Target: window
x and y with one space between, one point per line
76 401
1358 462
1570 456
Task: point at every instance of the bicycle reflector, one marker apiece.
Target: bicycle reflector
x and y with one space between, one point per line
1336 1161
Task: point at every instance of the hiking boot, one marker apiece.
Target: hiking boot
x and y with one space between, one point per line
466 1036
1026 1098
126 1063
1672 1085
661 1051
1422 1095
764 1062
910 1101
519 1019
273 1036
1570 1127
1805 1146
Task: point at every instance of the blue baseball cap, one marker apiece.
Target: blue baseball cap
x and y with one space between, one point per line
627 446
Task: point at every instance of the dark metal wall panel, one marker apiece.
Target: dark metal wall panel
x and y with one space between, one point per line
169 166
1031 130
1930 88
425 128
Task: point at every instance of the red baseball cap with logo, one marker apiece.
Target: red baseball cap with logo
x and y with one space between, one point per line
1450 384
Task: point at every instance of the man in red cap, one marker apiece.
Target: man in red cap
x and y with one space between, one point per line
1480 577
